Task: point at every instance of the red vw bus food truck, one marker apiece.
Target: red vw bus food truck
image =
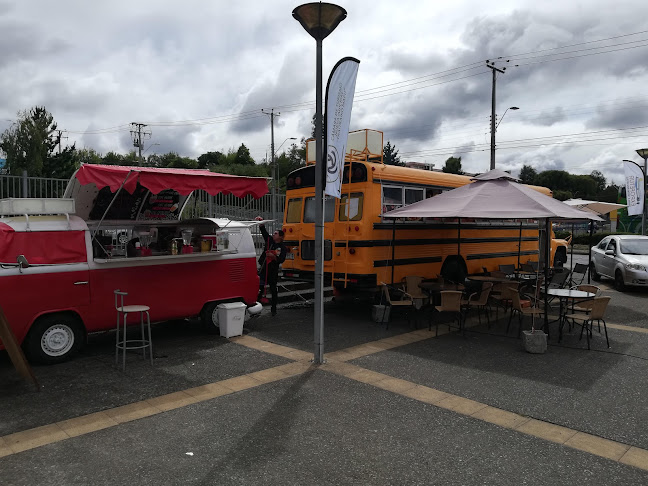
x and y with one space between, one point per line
120 228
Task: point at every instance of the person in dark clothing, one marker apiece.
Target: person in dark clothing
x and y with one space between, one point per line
273 255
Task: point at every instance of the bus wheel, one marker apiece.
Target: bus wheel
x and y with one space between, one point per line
209 318
54 338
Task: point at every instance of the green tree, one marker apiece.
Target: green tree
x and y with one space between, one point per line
599 178
210 159
453 166
89 156
390 154
528 174
173 160
29 142
62 165
243 156
113 158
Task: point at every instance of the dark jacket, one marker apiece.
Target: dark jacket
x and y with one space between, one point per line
273 265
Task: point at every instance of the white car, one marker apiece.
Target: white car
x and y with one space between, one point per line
623 258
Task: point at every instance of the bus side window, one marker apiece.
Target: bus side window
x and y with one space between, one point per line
329 209
351 209
413 195
293 213
392 198
432 192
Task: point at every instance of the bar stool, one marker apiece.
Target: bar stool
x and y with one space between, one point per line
125 344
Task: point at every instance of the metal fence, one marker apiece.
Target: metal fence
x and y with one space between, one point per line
18 186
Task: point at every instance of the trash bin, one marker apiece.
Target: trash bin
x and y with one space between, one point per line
231 317
380 313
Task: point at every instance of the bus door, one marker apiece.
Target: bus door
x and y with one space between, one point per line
308 241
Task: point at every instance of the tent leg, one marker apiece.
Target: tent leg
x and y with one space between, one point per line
589 258
393 245
546 274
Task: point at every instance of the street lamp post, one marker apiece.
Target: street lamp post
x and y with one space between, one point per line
275 176
643 153
494 126
319 20
500 120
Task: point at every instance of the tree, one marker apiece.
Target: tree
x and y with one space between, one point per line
599 178
210 159
29 142
62 165
528 174
313 125
390 154
173 160
89 156
243 156
453 166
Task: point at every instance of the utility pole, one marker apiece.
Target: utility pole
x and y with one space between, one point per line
138 136
59 137
491 65
275 175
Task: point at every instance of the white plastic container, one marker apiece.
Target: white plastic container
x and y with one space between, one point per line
231 317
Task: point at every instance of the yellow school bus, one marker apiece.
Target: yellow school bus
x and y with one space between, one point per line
361 250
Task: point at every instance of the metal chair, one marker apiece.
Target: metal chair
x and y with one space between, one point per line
407 303
502 296
597 307
507 269
125 344
523 307
450 304
479 301
581 269
412 288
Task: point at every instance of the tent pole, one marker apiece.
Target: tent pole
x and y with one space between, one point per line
589 258
393 245
520 245
571 274
459 236
546 273
94 235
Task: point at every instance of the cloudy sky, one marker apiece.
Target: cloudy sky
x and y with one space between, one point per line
199 73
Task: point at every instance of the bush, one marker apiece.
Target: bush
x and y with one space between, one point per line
561 234
596 238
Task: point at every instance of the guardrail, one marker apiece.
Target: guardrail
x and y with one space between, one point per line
19 186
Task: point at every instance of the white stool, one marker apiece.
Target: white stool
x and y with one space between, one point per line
143 343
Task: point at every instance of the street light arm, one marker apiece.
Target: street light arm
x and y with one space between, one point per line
500 120
281 145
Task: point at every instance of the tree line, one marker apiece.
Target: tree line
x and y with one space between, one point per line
33 143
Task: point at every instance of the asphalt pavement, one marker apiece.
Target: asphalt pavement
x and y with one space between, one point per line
394 406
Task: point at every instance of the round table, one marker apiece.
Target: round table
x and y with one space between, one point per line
565 295
488 278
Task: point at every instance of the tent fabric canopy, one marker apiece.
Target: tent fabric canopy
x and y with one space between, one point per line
492 196
184 181
596 207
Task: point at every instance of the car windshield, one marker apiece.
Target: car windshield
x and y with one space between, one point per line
634 247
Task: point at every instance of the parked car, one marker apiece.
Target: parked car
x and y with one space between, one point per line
623 258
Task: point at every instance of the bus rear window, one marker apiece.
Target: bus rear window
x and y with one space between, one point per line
329 210
293 213
351 208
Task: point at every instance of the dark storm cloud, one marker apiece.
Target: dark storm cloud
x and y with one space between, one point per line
291 86
22 42
608 116
547 118
411 63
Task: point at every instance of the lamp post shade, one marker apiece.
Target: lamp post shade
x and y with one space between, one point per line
643 153
319 19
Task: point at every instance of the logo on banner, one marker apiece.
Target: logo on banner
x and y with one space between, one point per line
332 169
